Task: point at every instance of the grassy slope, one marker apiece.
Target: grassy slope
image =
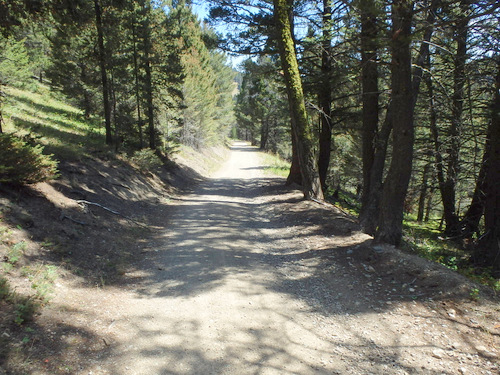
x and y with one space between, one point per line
48 117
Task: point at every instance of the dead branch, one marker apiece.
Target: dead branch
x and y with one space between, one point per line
101 206
71 219
108 209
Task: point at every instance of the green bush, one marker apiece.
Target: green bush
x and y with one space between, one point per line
4 288
146 160
15 66
21 163
25 310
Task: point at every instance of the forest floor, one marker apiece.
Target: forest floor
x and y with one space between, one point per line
236 274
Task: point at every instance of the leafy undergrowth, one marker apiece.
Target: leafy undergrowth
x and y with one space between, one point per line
427 240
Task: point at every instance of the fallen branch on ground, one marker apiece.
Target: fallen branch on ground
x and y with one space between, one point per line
71 219
107 209
99 205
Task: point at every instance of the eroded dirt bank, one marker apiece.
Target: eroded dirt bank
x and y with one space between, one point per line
243 277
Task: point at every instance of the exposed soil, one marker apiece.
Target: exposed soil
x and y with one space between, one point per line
238 275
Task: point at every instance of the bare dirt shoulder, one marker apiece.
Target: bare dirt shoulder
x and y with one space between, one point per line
405 314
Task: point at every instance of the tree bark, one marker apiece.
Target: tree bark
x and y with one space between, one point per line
104 76
148 83
370 96
294 176
375 143
325 96
369 215
470 222
264 134
137 89
311 185
488 250
396 185
448 186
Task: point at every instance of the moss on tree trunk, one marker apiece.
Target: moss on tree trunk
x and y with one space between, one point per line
300 124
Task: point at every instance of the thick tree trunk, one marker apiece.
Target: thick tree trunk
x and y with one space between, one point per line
369 216
375 143
311 185
396 185
470 222
264 134
448 187
104 76
370 98
488 251
294 176
325 96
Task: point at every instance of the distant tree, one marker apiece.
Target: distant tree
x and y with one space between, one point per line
261 107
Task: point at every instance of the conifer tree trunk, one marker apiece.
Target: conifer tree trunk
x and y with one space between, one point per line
311 185
137 90
148 78
488 251
470 222
375 142
396 184
325 96
264 134
370 98
104 75
294 176
448 187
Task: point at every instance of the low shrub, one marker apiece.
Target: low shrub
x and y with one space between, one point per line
146 160
22 163
4 288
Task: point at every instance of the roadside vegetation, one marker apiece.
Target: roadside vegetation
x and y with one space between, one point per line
426 239
275 165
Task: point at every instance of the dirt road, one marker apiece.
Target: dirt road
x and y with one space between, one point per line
248 279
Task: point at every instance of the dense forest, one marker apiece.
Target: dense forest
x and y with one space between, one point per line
395 104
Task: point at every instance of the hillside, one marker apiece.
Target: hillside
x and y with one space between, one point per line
86 227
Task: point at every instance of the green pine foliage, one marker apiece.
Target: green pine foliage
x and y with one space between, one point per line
21 163
208 84
146 160
15 65
167 83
